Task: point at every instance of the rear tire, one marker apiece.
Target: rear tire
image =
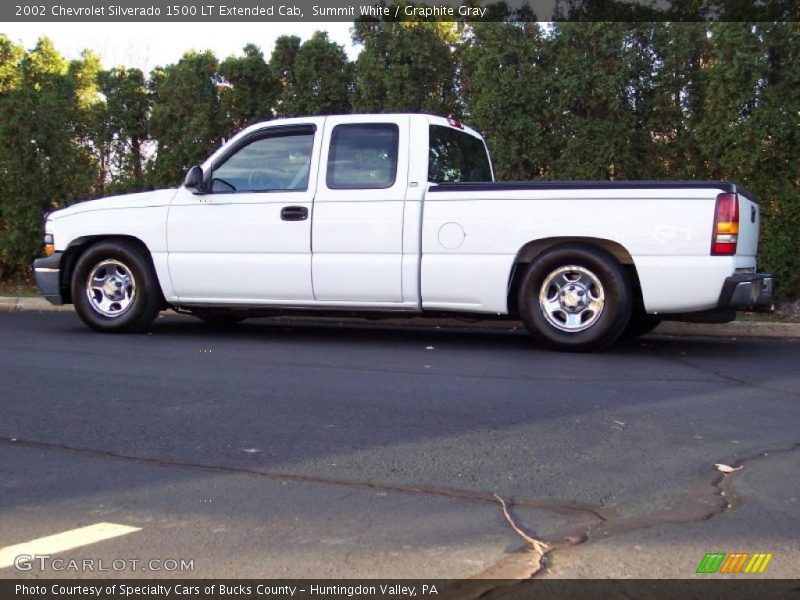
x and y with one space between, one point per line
575 297
114 287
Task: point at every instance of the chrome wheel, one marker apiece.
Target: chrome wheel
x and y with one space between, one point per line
110 288
571 298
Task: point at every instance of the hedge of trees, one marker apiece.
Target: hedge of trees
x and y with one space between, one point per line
599 100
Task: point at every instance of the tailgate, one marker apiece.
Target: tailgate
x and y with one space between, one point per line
749 221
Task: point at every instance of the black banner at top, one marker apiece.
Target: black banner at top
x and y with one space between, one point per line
437 10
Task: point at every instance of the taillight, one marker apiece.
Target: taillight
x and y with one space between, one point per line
726 225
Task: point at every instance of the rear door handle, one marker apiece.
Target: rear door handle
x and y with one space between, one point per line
294 213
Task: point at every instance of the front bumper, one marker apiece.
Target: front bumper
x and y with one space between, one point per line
747 290
47 272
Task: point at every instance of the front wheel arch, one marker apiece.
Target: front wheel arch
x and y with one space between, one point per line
78 246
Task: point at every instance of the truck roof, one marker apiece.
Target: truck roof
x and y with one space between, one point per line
451 122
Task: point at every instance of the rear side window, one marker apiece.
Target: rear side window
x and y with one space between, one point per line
456 156
363 156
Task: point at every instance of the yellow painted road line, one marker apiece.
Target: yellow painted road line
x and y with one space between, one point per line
61 542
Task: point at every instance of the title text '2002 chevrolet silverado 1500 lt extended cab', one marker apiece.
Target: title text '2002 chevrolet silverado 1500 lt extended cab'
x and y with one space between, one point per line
400 212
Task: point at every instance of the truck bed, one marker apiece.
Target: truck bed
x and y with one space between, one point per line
499 186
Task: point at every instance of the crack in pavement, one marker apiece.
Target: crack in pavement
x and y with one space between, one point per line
537 546
562 507
706 499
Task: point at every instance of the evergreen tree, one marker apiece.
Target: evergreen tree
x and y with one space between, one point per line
406 67
122 132
186 120
505 80
250 89
680 53
595 90
43 158
281 65
84 74
318 81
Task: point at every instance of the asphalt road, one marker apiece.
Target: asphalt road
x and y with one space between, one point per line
274 450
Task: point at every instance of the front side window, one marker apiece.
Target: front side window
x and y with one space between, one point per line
363 156
278 162
456 156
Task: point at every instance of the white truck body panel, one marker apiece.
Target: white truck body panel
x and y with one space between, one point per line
141 216
656 231
407 246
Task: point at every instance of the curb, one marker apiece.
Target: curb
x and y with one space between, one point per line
735 329
32 303
732 330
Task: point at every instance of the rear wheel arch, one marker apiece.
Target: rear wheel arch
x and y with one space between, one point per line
536 248
575 296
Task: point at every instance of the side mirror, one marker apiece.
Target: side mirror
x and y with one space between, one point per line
194 180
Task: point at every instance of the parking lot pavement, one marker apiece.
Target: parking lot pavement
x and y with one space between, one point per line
306 450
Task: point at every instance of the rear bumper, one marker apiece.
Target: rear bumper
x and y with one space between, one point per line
47 272
747 290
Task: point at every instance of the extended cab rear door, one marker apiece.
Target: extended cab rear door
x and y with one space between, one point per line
357 226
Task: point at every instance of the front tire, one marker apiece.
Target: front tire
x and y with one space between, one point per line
114 287
575 297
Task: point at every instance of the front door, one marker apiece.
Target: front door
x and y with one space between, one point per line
248 239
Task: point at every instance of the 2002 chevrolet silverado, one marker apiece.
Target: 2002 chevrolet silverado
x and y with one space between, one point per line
400 213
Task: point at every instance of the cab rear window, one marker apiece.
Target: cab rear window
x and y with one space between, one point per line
456 156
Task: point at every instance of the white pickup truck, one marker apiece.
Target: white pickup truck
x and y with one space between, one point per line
400 213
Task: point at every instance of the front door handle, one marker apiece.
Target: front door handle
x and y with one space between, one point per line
294 213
